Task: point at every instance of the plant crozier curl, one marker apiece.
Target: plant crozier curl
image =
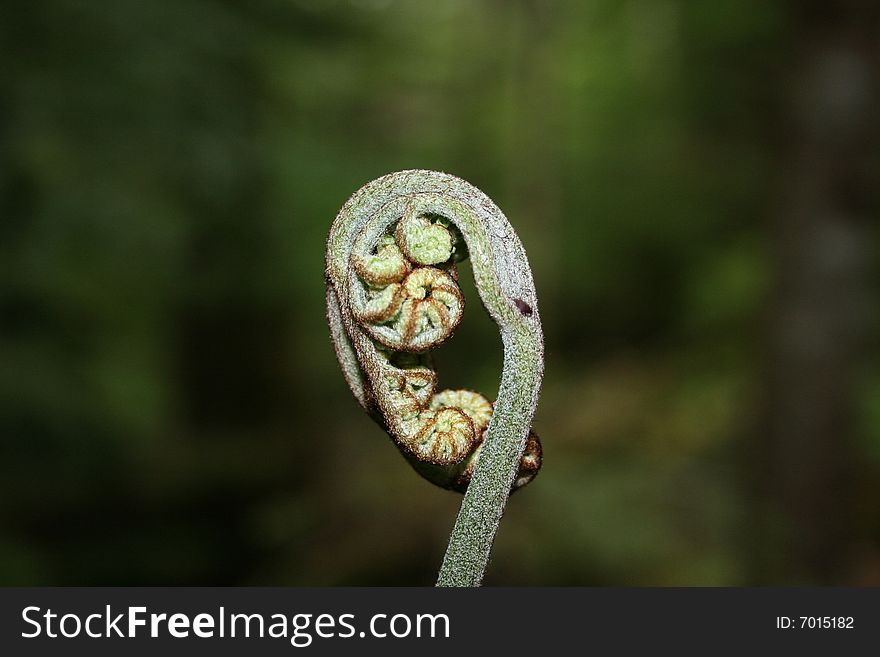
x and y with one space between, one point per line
393 296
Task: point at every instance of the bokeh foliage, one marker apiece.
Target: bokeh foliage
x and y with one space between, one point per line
170 406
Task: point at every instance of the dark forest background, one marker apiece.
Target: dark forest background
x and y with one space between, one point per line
696 184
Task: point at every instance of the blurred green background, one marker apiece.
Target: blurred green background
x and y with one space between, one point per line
696 184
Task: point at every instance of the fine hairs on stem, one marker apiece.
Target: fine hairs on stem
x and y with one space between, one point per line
392 296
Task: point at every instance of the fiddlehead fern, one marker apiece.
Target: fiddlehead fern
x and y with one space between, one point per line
392 296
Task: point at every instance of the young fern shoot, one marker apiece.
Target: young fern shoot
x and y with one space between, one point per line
392 296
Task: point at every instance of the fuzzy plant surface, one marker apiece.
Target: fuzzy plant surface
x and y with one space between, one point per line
393 296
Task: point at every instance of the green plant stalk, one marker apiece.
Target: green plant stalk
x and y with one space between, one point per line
470 543
504 282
